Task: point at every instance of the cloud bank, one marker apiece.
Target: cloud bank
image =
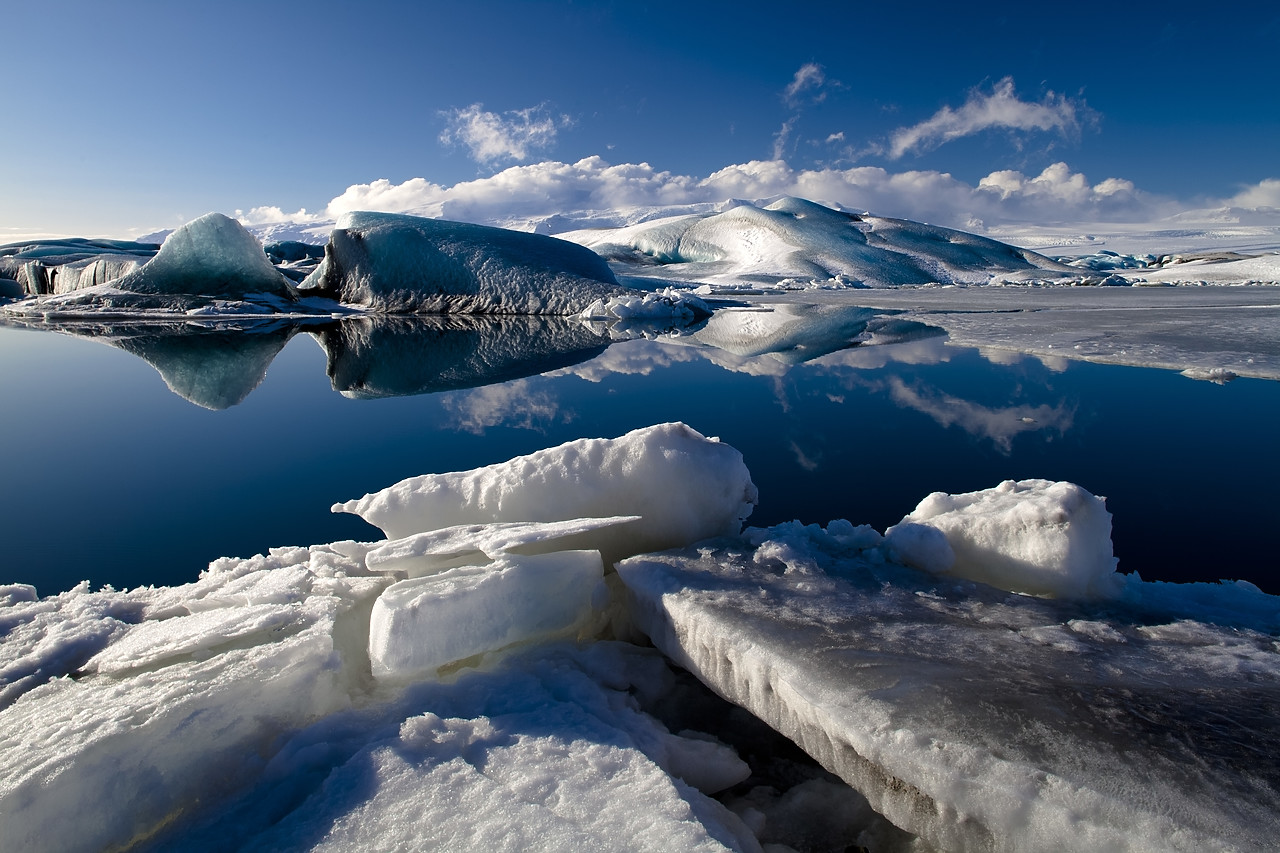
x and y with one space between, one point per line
553 196
1001 108
1056 195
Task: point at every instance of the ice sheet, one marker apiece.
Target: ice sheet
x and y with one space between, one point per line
981 719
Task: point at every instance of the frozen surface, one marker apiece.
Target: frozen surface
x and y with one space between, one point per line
684 487
422 624
981 719
405 264
800 240
1030 536
1233 329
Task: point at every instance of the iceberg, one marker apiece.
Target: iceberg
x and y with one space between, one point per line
796 239
395 263
210 256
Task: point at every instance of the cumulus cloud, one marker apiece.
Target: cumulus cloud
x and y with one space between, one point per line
999 108
810 78
493 137
541 190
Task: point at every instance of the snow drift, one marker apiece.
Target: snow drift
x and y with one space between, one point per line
403 264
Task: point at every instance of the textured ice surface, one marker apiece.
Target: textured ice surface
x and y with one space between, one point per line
405 264
797 239
209 256
1179 328
1030 536
981 719
421 624
683 486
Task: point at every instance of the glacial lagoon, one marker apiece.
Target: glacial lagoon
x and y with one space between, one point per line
139 461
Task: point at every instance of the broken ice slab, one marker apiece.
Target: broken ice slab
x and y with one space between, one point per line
421 624
981 719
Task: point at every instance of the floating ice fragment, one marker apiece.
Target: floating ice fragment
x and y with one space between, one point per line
1030 536
684 486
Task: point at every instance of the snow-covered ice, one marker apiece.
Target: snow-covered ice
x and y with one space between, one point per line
404 264
456 686
981 719
1030 536
793 238
684 486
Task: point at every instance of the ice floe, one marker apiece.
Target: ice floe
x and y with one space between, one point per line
456 686
980 719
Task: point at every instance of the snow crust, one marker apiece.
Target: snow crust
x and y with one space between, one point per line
1031 536
979 719
396 263
684 487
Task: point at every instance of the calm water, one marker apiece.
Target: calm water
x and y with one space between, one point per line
111 476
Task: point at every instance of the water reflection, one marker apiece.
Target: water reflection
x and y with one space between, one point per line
385 356
214 367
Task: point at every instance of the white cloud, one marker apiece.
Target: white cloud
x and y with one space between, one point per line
1056 195
781 138
493 137
999 108
1265 194
809 78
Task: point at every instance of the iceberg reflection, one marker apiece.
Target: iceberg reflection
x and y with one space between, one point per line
371 357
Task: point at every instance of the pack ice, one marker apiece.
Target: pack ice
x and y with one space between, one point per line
397 263
806 242
1120 716
451 687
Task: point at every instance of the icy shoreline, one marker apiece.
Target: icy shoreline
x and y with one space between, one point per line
314 698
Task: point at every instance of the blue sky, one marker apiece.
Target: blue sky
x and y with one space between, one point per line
130 116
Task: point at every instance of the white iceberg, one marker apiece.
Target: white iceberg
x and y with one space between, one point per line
1030 536
793 238
684 487
396 263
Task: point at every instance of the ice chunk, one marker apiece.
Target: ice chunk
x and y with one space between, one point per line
685 487
209 256
475 544
190 688
404 264
1031 536
978 719
422 624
